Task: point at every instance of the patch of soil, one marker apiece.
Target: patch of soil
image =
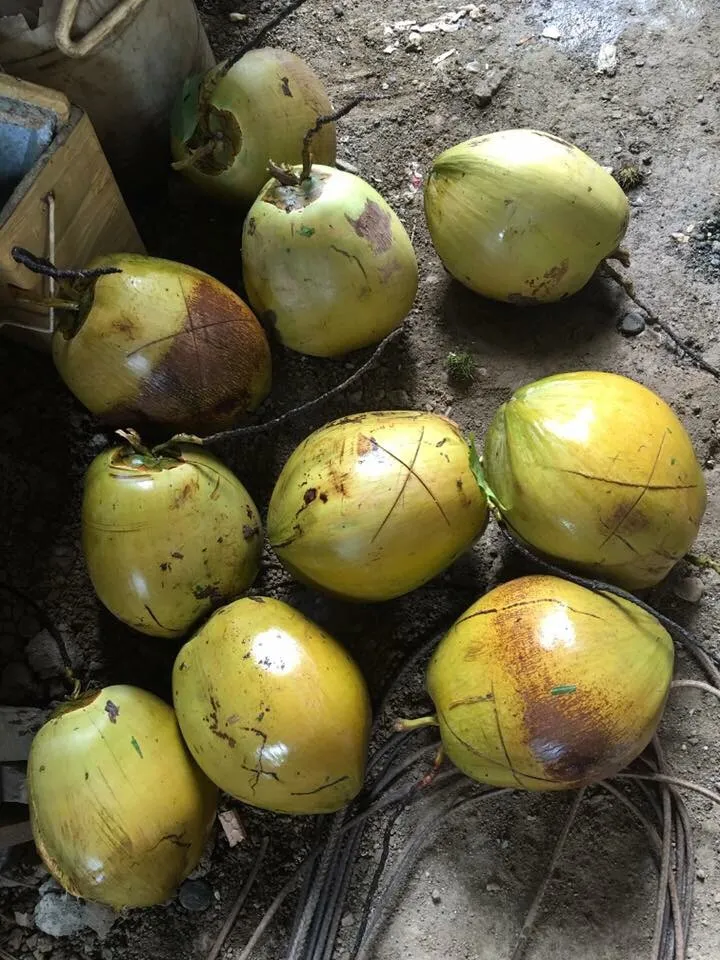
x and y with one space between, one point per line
467 894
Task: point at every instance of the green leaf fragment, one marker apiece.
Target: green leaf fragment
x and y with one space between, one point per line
478 472
185 111
563 689
136 746
306 231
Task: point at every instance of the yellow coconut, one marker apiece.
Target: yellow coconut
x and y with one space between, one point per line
523 216
120 812
328 262
544 685
161 342
273 709
596 471
371 506
228 124
167 535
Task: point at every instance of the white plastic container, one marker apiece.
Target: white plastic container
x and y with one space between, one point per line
122 61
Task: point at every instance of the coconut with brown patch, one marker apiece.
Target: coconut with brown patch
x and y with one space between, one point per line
523 216
596 471
545 685
327 257
164 343
372 506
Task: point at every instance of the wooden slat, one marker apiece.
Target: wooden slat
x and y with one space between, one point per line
90 216
53 100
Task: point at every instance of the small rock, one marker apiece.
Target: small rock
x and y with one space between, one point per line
98 441
195 895
473 67
715 246
700 874
338 10
44 657
14 941
59 915
632 323
493 887
551 33
693 741
348 920
237 17
414 42
346 166
49 886
435 896
24 920
488 86
690 589
607 60
232 827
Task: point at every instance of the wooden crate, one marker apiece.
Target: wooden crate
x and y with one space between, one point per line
90 216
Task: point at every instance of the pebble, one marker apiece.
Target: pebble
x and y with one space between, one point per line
690 589
435 896
195 895
700 874
488 86
60 915
348 920
493 887
632 323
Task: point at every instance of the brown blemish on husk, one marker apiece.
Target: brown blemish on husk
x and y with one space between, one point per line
285 86
374 225
124 324
214 726
571 739
217 366
364 445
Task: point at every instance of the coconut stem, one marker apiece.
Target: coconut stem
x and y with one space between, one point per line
30 300
47 269
331 118
703 561
192 159
402 726
697 685
629 289
621 255
283 176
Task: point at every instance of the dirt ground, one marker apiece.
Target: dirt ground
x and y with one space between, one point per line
475 878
